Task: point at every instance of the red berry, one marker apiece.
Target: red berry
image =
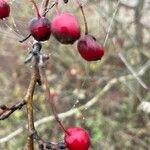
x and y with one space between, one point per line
77 139
90 49
40 29
4 9
65 28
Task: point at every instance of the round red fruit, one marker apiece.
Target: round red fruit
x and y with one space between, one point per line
4 9
77 139
65 28
90 49
40 29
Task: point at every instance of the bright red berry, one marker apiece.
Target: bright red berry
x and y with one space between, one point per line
4 9
90 49
65 28
77 139
40 28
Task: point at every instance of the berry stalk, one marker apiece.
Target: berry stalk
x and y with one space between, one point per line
83 14
50 100
57 8
36 9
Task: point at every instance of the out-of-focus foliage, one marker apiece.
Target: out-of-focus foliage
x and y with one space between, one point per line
114 122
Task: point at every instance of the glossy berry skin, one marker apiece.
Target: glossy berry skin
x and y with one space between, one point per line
40 28
4 9
77 139
90 49
65 28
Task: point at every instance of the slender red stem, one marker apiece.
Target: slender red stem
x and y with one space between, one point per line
50 100
83 14
36 9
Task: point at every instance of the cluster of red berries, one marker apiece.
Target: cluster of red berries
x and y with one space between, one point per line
65 28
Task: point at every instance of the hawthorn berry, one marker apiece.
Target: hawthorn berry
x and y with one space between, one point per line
4 9
66 28
77 139
89 48
40 28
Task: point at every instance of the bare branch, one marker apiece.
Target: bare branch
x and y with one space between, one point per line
29 98
7 111
111 22
132 71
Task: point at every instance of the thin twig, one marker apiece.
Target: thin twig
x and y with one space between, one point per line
50 99
132 71
111 23
7 111
24 39
48 8
45 8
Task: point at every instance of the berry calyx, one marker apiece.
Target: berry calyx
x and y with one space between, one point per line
40 28
65 28
77 139
65 1
4 9
89 48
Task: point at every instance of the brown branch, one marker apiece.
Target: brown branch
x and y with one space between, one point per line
29 98
7 111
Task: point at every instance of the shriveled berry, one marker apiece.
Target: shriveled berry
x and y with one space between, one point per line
77 139
90 49
40 29
65 28
4 9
